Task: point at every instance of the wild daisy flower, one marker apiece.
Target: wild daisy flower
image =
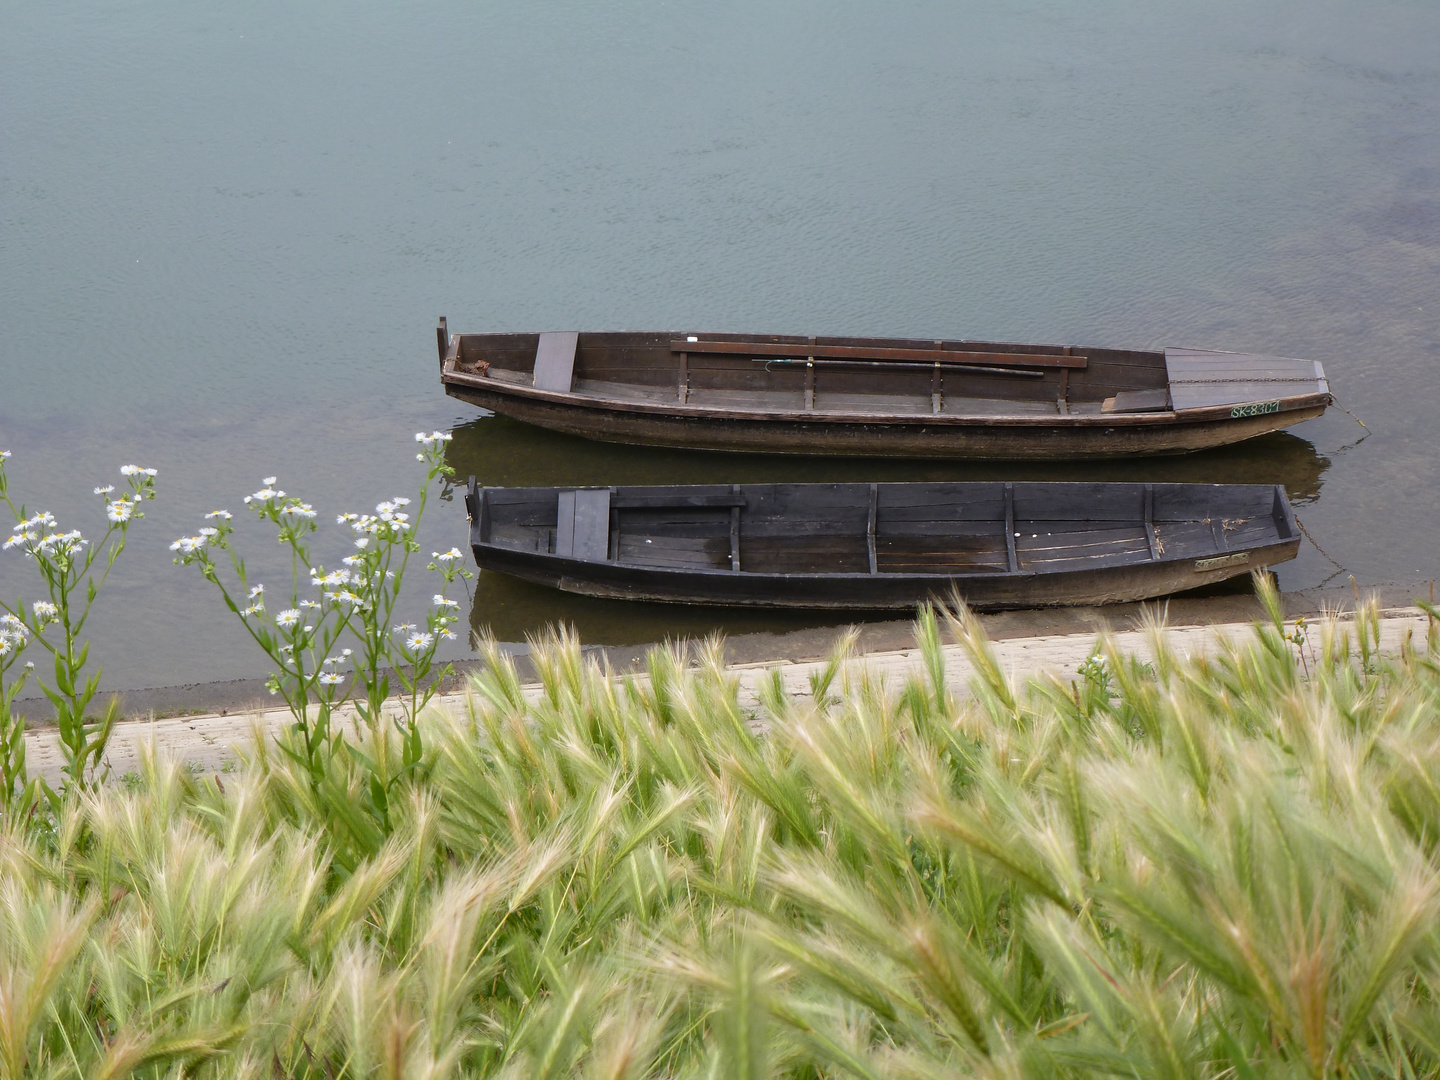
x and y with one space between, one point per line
18 539
304 510
441 601
12 634
45 612
61 543
256 590
119 511
418 642
449 556
43 518
346 597
188 545
135 470
434 439
220 515
287 618
106 490
329 678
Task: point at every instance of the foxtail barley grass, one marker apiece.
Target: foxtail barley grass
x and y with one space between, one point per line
1161 867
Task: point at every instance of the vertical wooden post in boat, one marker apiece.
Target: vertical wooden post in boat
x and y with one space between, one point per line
1010 527
870 528
613 554
1150 521
1062 403
735 531
810 380
684 377
442 338
936 401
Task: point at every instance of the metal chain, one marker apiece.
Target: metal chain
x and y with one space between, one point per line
1273 378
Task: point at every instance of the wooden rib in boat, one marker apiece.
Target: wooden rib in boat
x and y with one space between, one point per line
882 546
878 396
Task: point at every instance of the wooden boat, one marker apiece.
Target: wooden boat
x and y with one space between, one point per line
877 546
879 397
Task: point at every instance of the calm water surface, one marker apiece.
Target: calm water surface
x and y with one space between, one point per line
225 234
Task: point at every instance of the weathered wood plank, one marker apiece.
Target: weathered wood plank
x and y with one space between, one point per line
555 361
626 500
565 525
582 525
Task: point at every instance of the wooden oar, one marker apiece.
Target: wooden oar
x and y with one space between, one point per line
983 368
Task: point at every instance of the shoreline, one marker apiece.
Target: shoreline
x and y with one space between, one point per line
1203 608
1194 627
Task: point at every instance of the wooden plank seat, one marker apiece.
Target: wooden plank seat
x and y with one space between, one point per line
555 361
582 525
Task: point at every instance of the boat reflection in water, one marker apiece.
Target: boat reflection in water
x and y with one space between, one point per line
502 452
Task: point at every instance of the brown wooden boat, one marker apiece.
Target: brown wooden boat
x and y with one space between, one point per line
879 546
879 397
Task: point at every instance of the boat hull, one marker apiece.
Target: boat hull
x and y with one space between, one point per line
988 438
866 592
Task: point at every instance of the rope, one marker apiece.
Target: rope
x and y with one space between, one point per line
1348 413
1306 533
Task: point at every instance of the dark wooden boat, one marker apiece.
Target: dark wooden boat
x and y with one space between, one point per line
876 546
879 397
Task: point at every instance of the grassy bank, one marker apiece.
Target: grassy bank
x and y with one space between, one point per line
1217 868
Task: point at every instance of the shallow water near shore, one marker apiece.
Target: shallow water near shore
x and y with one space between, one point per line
227 234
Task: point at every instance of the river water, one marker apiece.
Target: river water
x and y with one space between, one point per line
226 232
